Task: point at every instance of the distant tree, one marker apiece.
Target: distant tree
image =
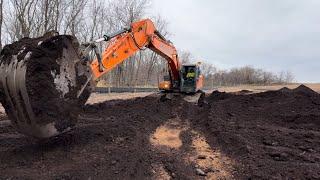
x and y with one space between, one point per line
23 21
208 69
244 75
281 78
74 15
1 20
289 77
89 20
185 57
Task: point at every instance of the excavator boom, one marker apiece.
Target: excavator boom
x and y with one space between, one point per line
127 42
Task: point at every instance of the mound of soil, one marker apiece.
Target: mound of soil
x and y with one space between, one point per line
111 140
217 96
272 135
269 135
40 78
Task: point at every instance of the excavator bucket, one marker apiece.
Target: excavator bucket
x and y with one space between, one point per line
43 84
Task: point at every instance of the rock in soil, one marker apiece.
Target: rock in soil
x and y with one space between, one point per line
202 157
200 172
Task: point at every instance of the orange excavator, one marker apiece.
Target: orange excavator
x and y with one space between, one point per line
140 35
79 74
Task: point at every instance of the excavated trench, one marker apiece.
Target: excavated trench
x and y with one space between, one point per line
269 135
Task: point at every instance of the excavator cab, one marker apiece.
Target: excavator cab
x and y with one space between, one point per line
191 78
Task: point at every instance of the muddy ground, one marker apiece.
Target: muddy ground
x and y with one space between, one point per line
269 135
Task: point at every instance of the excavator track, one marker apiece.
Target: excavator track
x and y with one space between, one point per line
197 97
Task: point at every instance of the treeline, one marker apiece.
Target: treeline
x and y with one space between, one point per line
243 75
89 20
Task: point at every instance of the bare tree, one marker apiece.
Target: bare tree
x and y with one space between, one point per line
24 20
33 18
208 69
1 19
74 11
185 57
88 20
281 77
289 77
47 17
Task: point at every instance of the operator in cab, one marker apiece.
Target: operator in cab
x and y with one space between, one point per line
191 74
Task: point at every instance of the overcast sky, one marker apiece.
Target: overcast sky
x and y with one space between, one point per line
271 34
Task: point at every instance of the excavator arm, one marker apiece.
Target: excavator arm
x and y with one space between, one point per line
44 81
127 42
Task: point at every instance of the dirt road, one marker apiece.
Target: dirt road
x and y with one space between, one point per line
271 135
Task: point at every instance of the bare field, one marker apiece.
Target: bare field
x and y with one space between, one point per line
315 87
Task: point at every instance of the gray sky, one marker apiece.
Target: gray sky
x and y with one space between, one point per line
271 34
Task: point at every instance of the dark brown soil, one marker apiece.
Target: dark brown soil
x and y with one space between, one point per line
270 135
111 141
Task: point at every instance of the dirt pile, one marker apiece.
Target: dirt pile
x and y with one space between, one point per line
273 134
270 135
40 78
111 140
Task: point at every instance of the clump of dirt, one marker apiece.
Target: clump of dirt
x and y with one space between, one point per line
285 90
304 90
243 92
217 96
269 135
47 92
